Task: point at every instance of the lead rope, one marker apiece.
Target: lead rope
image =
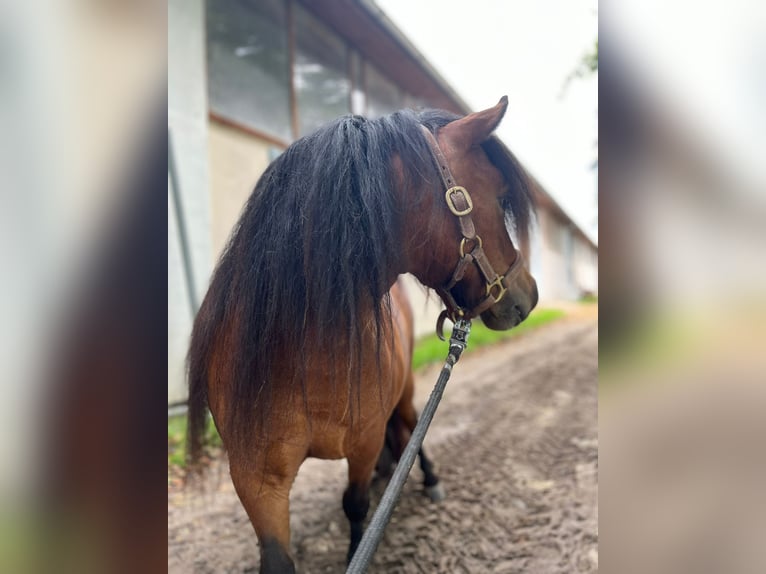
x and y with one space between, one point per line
380 519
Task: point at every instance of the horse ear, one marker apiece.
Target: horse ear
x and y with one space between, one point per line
476 128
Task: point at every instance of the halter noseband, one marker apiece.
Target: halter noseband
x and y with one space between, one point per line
460 204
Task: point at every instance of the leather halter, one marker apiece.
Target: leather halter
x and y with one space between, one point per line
460 204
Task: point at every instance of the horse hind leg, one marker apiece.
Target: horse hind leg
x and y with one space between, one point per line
392 448
432 485
406 410
265 494
356 498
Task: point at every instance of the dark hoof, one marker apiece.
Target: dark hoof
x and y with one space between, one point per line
435 493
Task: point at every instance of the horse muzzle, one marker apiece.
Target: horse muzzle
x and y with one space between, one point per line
519 300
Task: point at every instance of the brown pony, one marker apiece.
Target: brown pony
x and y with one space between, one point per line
303 344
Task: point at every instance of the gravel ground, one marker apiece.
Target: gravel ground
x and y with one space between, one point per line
515 444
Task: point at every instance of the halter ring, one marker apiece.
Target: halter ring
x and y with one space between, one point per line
462 244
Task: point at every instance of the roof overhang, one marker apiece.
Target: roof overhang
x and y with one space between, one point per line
366 27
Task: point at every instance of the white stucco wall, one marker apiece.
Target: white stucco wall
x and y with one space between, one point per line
426 306
237 160
585 266
563 263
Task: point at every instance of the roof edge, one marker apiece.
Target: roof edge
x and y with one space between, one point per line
377 14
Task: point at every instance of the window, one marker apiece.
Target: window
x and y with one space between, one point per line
251 76
382 94
248 63
320 74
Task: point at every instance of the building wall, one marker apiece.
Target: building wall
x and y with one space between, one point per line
564 264
426 305
187 122
553 273
536 256
179 312
237 159
586 267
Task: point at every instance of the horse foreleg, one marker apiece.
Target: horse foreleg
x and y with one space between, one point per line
356 498
266 498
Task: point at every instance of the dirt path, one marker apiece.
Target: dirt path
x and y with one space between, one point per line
515 443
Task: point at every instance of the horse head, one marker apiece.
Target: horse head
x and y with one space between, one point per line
468 255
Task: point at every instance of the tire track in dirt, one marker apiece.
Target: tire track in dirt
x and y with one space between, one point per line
515 443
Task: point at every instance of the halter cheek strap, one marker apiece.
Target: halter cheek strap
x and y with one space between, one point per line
460 204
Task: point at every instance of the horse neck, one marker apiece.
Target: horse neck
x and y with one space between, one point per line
426 249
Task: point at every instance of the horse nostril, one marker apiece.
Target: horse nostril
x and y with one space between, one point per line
521 312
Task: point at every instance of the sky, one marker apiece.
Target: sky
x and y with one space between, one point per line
526 50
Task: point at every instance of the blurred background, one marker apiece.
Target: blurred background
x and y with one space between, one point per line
82 296
682 196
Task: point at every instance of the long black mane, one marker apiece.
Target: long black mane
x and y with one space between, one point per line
315 242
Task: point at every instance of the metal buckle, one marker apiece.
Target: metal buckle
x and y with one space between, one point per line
462 244
498 282
451 205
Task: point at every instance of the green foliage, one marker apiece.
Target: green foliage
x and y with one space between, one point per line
177 439
655 343
587 67
431 350
589 61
